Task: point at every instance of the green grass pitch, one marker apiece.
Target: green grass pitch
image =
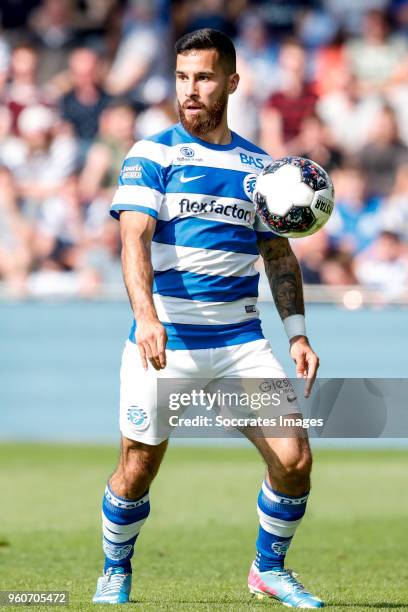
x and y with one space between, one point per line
196 548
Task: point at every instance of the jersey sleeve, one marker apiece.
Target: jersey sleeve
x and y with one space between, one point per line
262 231
141 182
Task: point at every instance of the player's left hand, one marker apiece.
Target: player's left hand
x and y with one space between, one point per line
306 360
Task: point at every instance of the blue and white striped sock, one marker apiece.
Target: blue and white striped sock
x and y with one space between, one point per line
122 520
279 516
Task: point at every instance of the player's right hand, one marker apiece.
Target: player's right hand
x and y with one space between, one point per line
151 339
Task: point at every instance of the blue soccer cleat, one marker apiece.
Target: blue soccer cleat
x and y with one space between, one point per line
281 584
113 587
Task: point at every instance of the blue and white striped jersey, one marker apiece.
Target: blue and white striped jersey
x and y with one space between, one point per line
205 244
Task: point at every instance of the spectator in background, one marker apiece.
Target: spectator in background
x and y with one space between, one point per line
23 89
286 109
315 27
375 56
116 136
355 222
161 111
256 65
321 262
54 36
97 184
257 56
210 14
384 266
348 114
4 62
86 100
349 14
60 228
314 142
329 62
396 96
15 236
141 56
45 158
311 252
100 263
243 109
337 269
282 16
399 11
10 144
383 153
394 211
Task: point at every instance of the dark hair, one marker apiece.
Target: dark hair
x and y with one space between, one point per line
207 38
26 45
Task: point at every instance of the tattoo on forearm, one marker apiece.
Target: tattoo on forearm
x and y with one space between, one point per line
288 295
284 276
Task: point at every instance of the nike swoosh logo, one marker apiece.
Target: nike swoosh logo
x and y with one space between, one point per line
185 179
291 399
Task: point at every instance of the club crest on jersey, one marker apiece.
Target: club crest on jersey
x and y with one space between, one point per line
249 185
138 418
186 154
187 151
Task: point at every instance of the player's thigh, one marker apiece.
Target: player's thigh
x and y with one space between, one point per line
145 395
253 368
285 444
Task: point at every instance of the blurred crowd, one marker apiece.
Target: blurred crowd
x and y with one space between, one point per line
81 80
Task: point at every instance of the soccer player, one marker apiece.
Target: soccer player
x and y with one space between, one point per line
190 240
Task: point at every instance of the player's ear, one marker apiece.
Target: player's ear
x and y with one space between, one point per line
233 82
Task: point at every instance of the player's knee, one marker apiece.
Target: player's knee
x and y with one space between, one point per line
138 466
297 467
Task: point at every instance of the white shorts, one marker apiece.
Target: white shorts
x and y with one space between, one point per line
143 419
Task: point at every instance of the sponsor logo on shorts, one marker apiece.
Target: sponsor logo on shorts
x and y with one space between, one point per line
283 385
250 308
138 418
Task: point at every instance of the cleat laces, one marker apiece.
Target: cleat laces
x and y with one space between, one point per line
113 582
289 577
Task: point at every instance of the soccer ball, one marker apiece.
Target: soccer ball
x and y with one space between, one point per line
294 197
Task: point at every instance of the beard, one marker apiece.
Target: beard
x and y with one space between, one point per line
200 127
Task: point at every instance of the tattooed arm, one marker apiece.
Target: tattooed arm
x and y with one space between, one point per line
284 276
285 280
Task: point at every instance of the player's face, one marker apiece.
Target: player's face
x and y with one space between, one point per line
202 86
